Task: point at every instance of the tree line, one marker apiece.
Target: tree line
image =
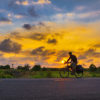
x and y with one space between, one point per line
27 67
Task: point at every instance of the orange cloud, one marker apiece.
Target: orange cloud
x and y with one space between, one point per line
22 3
42 2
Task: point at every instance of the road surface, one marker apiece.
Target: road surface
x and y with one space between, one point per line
50 89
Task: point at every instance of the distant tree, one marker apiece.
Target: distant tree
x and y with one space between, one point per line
5 67
26 67
20 67
49 74
36 68
98 68
92 68
1 66
44 69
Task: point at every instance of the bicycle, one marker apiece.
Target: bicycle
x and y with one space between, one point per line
65 72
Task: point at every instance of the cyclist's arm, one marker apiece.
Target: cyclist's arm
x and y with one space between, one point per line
68 60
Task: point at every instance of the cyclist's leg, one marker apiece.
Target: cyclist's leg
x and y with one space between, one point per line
73 65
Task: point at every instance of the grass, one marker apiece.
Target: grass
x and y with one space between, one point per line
11 73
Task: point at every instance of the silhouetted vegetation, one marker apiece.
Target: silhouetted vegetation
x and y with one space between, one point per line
25 68
36 68
37 71
5 67
92 68
44 69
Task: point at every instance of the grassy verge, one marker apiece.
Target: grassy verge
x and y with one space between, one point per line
39 74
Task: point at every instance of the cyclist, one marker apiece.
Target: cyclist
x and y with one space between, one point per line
73 62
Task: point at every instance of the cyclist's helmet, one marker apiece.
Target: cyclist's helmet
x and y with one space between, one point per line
70 53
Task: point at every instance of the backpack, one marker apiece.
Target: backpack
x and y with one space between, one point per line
79 68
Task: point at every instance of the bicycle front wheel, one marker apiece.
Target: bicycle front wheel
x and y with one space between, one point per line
64 73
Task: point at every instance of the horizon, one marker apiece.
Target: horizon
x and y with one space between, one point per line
44 31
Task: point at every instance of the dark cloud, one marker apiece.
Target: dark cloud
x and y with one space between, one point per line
97 45
31 11
52 41
61 54
27 26
33 36
9 46
37 36
42 51
41 23
38 51
20 8
81 57
4 19
91 53
48 52
16 35
90 60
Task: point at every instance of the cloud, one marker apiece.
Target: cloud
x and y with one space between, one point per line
37 51
40 2
90 60
80 8
37 36
48 52
9 46
20 2
91 14
31 11
5 20
61 54
38 25
19 16
19 8
52 41
76 16
91 53
41 24
81 57
30 2
27 26
41 51
97 45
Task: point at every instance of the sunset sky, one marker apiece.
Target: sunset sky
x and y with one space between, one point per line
44 31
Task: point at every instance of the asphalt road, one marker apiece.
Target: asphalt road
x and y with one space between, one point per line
50 89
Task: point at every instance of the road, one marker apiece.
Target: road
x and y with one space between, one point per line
50 89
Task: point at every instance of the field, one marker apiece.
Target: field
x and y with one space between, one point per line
13 73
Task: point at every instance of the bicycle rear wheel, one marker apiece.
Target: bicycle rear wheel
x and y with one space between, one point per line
79 74
64 73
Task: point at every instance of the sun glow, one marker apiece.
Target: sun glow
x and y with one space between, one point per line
64 60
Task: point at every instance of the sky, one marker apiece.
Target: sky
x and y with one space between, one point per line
44 31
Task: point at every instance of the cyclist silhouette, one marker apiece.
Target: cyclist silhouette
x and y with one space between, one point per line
73 62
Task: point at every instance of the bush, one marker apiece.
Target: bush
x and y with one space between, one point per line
44 69
92 68
36 68
6 76
16 73
98 69
49 74
5 67
20 68
26 67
